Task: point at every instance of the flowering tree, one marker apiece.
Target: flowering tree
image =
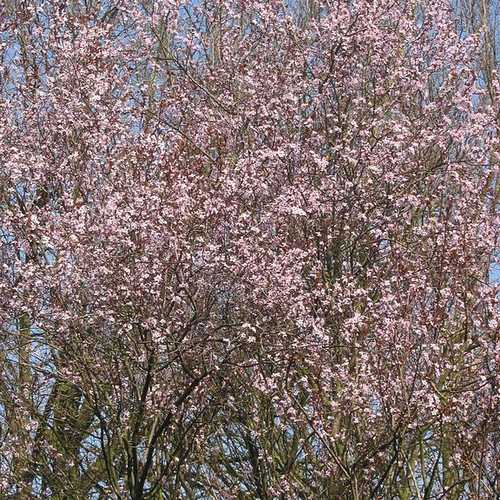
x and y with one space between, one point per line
246 250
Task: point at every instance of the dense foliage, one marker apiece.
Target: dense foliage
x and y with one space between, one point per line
246 249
